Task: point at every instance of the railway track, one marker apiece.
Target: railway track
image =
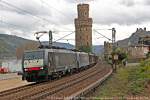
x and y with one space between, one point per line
10 91
53 89
79 85
57 89
18 89
67 89
22 88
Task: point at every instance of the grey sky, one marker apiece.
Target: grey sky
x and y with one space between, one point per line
125 15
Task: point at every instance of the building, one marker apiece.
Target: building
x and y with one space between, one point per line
107 50
145 40
137 45
83 28
138 51
13 65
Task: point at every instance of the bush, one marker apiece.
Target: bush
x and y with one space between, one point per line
148 55
139 78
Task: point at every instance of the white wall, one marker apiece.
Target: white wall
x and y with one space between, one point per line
12 65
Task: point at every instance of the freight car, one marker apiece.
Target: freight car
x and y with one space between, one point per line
42 64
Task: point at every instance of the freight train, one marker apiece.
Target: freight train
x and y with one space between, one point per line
44 64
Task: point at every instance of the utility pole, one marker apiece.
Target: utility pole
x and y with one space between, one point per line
114 55
50 39
113 37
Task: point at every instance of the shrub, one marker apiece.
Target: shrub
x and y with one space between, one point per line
139 77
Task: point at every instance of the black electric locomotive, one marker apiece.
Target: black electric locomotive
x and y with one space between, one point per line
42 64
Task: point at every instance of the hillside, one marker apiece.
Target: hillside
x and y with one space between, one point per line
134 38
9 43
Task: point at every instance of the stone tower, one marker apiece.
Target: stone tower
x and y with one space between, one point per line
83 28
107 50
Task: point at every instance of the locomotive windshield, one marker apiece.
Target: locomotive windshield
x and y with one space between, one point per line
33 59
33 55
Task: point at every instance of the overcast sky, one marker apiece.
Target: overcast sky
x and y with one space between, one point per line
58 15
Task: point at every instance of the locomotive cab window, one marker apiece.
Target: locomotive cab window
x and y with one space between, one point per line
33 55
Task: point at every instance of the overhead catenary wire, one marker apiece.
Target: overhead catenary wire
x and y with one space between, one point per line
99 37
103 29
2 20
102 35
14 25
61 31
27 12
11 24
63 37
48 5
68 39
22 10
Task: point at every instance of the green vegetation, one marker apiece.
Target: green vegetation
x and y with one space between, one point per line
85 49
122 56
128 81
148 55
3 47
